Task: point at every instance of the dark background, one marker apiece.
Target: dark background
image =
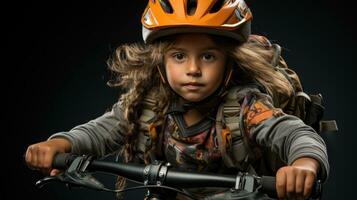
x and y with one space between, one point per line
55 76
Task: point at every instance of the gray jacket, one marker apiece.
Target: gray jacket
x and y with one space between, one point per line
285 135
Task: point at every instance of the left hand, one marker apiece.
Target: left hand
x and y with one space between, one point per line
296 181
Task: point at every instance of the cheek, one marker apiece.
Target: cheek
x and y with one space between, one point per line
171 74
168 71
216 76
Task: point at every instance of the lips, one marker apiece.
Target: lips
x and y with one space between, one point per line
193 85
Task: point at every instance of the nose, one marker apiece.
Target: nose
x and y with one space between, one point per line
194 68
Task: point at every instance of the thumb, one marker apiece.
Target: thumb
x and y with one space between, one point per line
54 172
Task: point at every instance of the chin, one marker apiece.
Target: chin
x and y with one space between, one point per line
193 99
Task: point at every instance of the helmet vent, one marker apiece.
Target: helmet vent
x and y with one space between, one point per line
191 7
217 6
166 6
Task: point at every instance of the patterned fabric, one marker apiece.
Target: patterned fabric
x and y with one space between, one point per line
200 151
197 153
256 110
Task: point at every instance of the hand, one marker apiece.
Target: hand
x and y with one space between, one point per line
296 181
39 156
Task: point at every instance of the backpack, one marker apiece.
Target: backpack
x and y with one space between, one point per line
308 107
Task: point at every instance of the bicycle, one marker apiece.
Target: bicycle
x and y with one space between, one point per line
160 175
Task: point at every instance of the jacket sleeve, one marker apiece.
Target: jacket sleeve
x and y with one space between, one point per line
100 136
285 135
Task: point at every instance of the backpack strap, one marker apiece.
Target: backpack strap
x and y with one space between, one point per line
234 147
222 138
315 114
328 126
148 132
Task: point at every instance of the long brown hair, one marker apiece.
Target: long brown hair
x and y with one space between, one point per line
135 72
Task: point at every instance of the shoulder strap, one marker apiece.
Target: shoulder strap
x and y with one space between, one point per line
233 145
148 133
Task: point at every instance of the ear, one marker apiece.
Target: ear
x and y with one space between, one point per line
162 77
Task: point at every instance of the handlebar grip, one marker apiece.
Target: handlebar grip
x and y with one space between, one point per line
62 160
268 187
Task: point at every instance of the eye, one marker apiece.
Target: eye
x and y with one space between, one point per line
208 57
179 56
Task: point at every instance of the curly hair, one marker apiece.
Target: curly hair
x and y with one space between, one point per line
254 60
134 68
135 72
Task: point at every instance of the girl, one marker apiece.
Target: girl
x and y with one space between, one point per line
195 53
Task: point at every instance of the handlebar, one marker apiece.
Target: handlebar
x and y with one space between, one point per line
136 172
161 174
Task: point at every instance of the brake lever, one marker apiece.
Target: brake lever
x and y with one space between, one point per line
44 181
75 175
83 179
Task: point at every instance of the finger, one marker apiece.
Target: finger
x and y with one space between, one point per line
47 159
28 156
34 158
290 184
309 183
48 162
54 172
40 162
280 184
45 162
40 159
299 185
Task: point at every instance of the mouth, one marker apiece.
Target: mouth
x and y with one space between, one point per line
192 85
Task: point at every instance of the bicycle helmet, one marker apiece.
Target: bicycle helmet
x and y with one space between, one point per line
230 18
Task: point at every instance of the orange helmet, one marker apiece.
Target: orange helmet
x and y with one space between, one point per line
230 18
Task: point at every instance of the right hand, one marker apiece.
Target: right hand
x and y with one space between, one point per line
39 156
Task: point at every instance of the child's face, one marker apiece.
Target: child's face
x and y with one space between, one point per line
195 66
